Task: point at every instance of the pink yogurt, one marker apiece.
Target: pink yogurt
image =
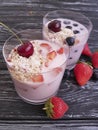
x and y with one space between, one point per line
25 72
75 29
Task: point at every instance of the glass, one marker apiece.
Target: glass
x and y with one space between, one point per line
77 24
29 91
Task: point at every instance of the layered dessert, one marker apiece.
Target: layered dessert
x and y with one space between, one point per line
66 31
37 68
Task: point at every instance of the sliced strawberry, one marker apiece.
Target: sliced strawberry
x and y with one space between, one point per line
51 55
86 50
83 72
95 59
37 78
46 46
9 59
57 70
60 51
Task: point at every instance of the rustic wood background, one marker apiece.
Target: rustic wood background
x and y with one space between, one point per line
83 102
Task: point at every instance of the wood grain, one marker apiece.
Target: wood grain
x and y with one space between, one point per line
83 102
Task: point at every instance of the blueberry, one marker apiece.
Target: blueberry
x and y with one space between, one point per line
70 41
69 27
67 74
76 51
75 24
66 22
95 74
76 31
85 58
70 58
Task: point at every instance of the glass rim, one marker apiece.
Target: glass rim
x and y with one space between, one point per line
70 11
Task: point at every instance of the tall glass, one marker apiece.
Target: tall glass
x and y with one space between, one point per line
72 24
33 91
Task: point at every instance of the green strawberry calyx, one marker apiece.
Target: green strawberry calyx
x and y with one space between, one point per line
88 63
49 108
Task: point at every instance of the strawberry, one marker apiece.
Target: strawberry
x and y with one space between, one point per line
57 70
55 107
86 50
51 55
95 59
83 72
37 78
60 51
46 46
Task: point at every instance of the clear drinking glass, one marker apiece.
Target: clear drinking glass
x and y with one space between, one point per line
75 23
29 91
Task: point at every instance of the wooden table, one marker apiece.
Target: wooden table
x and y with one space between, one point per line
83 102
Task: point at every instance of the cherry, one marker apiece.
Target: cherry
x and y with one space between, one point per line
26 49
55 25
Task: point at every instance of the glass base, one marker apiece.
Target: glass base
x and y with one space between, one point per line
70 67
36 102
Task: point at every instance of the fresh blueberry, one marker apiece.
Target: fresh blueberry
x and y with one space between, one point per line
76 31
69 27
85 58
67 74
75 24
70 41
95 74
76 51
66 22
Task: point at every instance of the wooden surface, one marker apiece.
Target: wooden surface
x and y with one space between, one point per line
83 102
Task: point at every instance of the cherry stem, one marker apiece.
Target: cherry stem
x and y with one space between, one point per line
11 32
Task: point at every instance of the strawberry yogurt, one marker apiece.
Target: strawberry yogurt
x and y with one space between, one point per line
38 70
60 25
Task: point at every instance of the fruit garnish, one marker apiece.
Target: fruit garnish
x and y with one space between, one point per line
60 51
51 55
25 50
95 74
86 50
57 70
11 32
37 78
76 31
46 46
70 41
95 59
69 27
55 107
85 58
83 72
67 74
55 25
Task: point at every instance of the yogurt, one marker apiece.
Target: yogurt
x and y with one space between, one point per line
38 77
69 28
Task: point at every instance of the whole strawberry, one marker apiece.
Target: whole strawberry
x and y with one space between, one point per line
83 72
55 107
95 59
86 51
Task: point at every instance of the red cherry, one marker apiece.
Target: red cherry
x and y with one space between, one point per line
55 25
26 49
